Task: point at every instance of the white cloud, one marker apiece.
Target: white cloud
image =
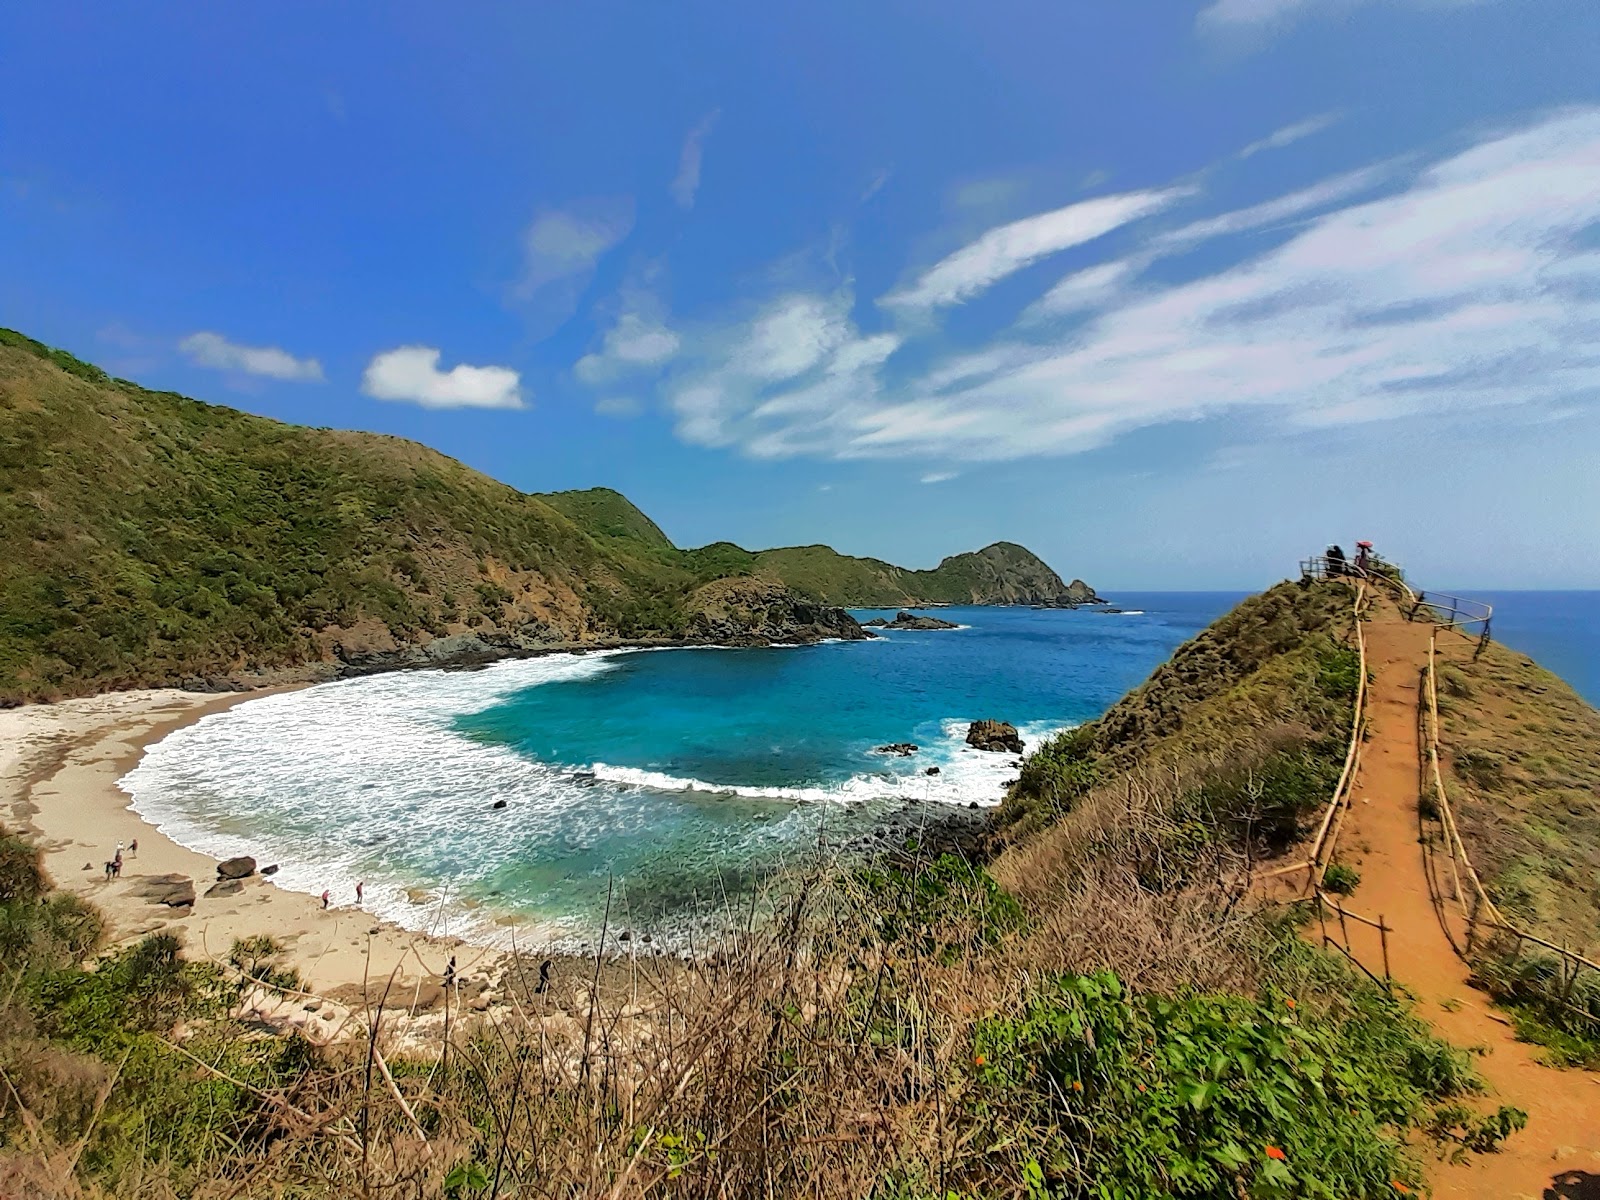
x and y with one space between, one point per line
875 185
778 383
1468 285
215 351
1275 211
1008 248
687 182
1273 14
618 406
939 476
562 246
639 340
1290 134
412 374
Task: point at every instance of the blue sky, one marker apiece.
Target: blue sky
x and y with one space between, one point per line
1172 292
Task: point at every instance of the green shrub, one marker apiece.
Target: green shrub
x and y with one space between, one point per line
1340 879
1209 1096
947 908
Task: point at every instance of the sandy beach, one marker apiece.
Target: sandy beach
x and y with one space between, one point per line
59 764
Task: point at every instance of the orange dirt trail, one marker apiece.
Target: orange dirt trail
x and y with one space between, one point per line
1557 1157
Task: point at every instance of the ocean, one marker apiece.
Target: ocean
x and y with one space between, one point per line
672 780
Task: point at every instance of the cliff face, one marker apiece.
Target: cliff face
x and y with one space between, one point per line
755 612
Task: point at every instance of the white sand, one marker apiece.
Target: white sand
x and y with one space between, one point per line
59 764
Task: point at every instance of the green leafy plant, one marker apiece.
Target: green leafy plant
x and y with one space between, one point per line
1340 879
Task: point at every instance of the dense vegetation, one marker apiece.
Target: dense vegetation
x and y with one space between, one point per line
1104 1012
147 538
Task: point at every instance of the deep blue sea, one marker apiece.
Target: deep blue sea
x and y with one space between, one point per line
673 777
1558 630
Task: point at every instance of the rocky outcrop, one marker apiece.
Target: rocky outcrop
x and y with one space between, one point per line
236 868
902 749
994 735
753 611
1074 595
175 891
907 620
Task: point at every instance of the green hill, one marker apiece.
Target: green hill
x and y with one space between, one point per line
147 538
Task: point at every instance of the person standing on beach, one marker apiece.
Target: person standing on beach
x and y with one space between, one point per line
108 872
133 847
326 895
360 887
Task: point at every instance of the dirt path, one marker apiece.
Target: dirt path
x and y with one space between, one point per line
1557 1157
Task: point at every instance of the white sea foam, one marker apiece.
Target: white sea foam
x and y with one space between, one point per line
368 779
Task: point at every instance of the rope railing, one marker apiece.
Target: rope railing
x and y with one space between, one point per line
1486 911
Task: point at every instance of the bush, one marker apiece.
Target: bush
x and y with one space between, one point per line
1340 879
1207 1095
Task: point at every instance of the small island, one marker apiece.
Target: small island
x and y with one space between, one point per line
909 620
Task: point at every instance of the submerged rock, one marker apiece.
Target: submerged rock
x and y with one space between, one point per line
498 804
272 870
994 735
903 749
931 771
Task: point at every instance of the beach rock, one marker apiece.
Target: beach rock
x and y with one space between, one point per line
175 891
498 804
903 749
225 887
994 735
931 771
272 870
236 868
875 623
910 620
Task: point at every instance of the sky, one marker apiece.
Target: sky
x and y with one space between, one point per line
1174 293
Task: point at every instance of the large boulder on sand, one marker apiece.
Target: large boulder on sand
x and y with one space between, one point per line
175 891
236 868
994 735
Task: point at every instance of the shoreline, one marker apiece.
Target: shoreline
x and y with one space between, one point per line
59 767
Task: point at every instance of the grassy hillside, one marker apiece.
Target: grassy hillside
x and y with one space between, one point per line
146 538
1255 710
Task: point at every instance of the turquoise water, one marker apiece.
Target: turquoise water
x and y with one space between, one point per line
678 778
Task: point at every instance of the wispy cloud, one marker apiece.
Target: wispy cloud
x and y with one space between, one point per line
638 340
939 476
686 183
1466 284
618 406
212 350
1290 134
1275 14
1008 248
411 374
561 247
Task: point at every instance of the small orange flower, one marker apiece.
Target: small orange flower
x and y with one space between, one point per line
1290 1002
1274 1152
1141 1087
977 1060
1077 1086
1399 1187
